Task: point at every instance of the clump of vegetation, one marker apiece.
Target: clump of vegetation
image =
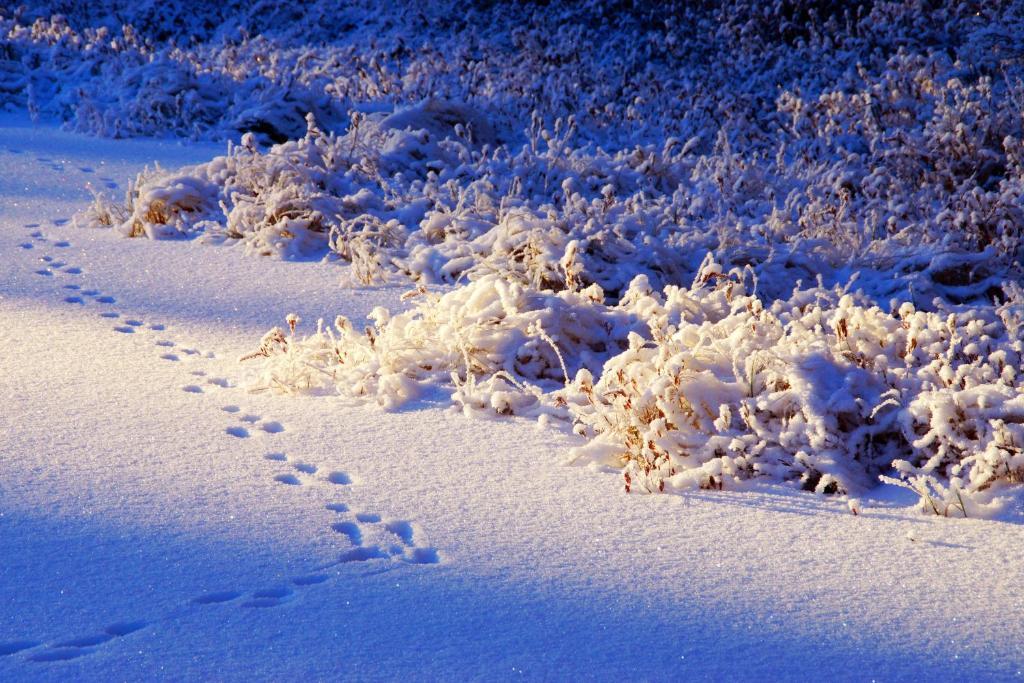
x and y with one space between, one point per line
706 387
722 241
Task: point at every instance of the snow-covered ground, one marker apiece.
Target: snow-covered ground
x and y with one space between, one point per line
158 521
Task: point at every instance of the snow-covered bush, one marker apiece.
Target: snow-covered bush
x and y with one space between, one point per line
705 386
489 329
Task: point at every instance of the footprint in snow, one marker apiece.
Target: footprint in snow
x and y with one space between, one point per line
15 646
339 478
362 555
402 529
74 647
311 579
424 556
129 327
350 530
268 426
270 597
239 432
216 598
272 427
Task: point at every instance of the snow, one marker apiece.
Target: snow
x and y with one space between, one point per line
158 521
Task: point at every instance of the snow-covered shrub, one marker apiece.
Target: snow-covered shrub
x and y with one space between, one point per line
823 390
490 329
706 386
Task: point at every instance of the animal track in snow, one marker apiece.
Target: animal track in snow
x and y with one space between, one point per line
256 421
362 555
366 534
350 530
339 478
271 427
14 646
424 556
71 648
216 598
270 597
402 529
311 579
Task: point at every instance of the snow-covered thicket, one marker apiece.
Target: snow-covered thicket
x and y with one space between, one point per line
707 386
842 183
903 161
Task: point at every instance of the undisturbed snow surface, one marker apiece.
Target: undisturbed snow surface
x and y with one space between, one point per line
158 521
